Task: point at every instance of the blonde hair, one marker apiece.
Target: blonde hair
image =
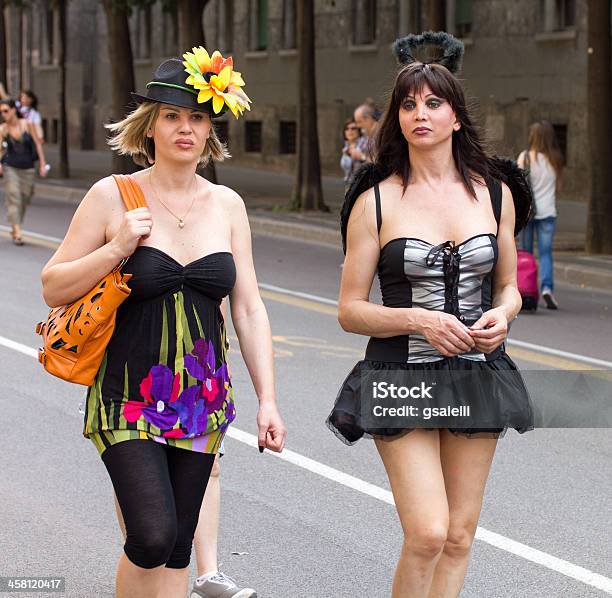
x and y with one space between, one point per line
129 137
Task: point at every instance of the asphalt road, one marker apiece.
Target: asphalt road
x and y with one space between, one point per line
307 531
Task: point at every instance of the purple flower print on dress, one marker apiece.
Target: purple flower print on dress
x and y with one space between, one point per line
192 411
215 389
200 363
159 390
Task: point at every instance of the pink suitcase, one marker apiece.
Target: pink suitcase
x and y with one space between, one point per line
527 278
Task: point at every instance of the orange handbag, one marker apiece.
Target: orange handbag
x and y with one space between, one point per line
75 336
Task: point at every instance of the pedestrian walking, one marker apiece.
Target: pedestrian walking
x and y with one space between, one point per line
432 216
544 162
28 106
355 146
162 399
21 149
366 117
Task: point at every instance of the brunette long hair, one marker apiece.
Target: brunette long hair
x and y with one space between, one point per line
542 139
469 152
472 158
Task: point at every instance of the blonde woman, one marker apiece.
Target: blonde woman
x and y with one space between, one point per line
162 400
544 162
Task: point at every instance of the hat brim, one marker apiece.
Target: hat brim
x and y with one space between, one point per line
172 100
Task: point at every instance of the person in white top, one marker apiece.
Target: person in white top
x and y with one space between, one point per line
28 106
544 162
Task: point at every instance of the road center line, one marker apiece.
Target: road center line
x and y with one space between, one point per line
519 549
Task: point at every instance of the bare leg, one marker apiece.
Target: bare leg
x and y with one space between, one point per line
465 464
413 466
136 582
207 532
174 583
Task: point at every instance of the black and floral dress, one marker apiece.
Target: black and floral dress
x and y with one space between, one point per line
164 376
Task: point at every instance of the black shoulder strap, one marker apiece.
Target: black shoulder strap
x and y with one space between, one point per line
378 209
495 191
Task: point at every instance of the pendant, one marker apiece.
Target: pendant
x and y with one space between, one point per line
181 223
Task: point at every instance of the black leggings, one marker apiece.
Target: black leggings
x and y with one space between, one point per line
160 490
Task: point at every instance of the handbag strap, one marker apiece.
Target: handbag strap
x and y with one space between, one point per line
130 190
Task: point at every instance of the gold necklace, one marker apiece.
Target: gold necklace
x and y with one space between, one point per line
181 221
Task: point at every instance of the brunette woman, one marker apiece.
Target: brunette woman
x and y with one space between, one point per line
434 218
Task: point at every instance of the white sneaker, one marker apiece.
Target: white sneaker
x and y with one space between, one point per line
220 585
549 299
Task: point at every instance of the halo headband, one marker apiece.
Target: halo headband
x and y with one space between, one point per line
405 49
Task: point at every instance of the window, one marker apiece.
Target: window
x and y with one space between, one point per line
225 25
258 25
289 25
141 32
557 15
252 130
48 37
287 137
222 131
364 21
463 18
170 30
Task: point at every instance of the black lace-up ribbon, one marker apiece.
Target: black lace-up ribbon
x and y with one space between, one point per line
450 267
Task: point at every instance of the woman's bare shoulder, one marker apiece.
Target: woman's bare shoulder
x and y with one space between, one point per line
103 193
226 196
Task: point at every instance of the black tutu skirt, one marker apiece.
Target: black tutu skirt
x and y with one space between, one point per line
495 389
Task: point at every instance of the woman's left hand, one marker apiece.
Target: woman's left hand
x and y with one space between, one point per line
42 170
272 430
490 330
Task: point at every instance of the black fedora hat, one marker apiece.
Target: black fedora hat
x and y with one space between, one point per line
169 87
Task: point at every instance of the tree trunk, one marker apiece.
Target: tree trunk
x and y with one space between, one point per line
599 81
307 194
191 34
3 80
122 71
64 167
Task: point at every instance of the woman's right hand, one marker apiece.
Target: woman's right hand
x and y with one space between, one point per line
445 333
136 224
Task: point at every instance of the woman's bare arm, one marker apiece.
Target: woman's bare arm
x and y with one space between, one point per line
355 312
84 257
39 149
491 329
505 289
248 311
253 329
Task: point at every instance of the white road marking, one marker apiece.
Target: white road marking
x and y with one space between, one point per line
549 561
522 344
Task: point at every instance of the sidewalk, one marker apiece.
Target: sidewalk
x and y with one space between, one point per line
267 194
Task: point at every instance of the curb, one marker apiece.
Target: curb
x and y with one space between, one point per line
72 195
570 273
260 225
596 278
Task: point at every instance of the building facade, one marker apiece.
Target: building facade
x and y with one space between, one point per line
524 60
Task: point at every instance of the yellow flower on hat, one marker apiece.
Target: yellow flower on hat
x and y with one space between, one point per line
215 79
